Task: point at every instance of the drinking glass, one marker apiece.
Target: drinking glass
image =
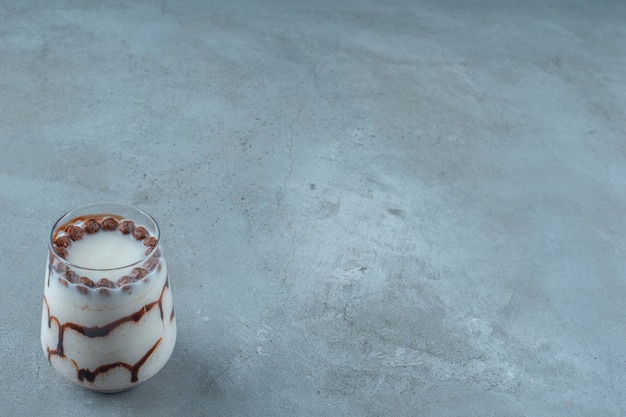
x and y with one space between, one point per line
108 319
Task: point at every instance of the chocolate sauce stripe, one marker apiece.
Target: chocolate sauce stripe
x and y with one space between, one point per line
86 374
102 331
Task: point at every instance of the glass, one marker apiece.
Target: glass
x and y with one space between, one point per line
107 320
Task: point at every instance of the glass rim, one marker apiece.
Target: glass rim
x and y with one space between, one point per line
93 205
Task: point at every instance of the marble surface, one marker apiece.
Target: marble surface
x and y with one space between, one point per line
368 208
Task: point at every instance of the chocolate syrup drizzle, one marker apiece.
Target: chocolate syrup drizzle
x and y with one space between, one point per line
95 331
134 370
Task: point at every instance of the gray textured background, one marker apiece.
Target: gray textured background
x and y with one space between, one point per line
368 208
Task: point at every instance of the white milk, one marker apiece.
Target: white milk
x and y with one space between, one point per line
106 250
140 318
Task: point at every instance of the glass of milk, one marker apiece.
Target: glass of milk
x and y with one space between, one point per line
107 321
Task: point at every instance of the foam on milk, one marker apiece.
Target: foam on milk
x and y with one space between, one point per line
106 250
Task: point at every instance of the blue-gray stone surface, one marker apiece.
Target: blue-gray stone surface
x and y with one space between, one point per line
399 208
